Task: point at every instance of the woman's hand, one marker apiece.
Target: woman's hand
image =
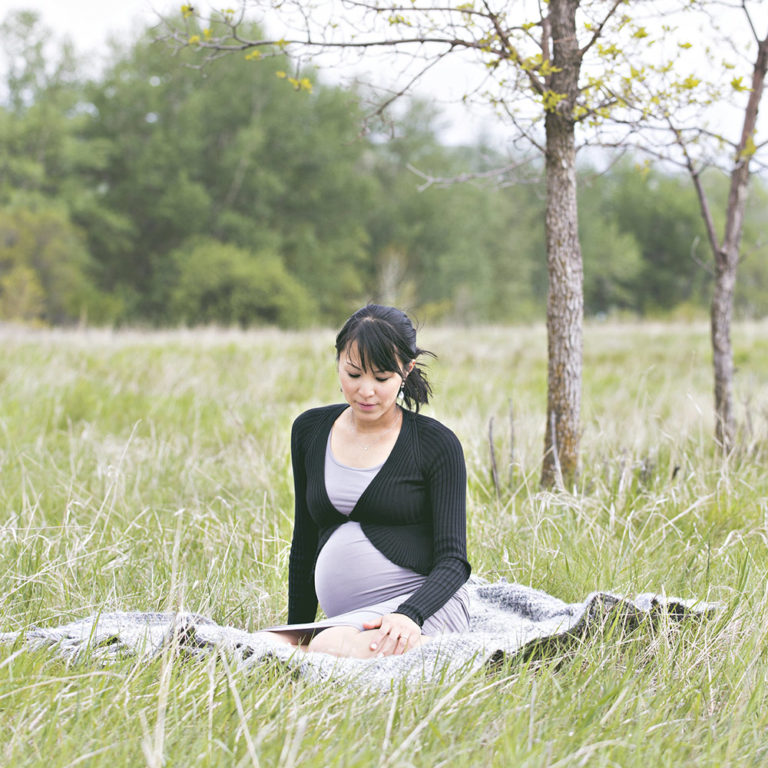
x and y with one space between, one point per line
396 634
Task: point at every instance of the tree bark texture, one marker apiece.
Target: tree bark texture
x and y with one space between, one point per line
565 304
727 261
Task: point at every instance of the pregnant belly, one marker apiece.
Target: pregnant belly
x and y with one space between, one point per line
351 573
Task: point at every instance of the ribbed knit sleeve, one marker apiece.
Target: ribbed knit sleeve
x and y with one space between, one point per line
302 599
446 477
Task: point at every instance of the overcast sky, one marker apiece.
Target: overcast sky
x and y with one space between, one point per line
89 23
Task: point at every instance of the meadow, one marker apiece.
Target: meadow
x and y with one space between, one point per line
151 471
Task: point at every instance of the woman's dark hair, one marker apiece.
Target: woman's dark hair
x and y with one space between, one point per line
386 341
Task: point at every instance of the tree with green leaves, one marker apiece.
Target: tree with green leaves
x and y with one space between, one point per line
548 69
152 155
727 251
232 155
688 122
45 266
639 225
218 283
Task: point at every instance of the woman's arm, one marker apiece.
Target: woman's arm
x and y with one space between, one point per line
302 600
446 477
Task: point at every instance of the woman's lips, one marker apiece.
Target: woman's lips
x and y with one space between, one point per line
367 406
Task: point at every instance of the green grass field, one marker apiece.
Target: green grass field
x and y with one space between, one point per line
151 471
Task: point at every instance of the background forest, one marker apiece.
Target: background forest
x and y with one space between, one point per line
158 193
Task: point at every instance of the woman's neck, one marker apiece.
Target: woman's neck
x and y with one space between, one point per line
384 423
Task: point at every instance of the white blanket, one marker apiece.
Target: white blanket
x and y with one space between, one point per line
507 621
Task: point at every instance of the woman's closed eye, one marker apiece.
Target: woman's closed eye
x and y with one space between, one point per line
382 379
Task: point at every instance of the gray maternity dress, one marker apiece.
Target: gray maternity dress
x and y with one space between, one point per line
354 582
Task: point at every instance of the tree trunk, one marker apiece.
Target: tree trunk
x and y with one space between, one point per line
565 304
727 261
722 351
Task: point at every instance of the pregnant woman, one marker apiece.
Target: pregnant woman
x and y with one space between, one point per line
379 537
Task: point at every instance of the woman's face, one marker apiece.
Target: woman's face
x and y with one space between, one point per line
370 393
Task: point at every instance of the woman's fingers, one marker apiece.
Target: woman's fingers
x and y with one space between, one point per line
382 625
402 644
394 644
394 634
373 624
380 639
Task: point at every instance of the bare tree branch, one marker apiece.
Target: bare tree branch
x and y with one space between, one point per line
695 174
749 21
382 107
599 31
696 260
462 178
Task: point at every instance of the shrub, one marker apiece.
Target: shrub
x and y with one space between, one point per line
223 284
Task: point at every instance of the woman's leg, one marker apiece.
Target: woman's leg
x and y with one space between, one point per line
292 638
351 642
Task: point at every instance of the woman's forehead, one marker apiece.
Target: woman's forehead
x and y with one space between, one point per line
351 355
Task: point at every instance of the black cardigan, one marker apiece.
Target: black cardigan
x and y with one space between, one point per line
413 511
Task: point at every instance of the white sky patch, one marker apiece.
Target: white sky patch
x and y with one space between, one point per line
89 24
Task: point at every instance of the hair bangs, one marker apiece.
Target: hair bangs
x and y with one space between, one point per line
376 346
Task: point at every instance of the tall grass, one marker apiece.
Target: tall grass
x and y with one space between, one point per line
151 471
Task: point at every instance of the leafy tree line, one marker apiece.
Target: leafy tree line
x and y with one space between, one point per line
159 193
